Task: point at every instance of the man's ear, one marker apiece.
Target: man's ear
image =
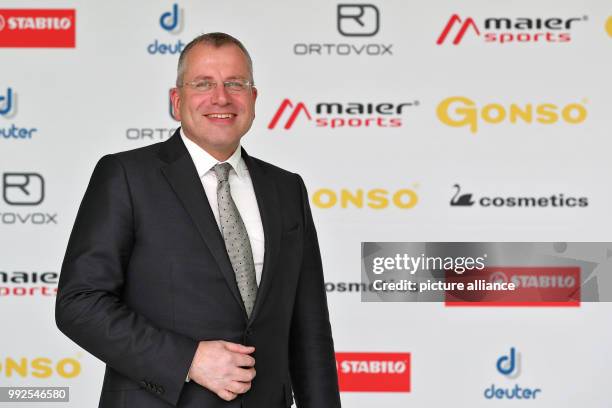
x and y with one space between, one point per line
175 99
254 90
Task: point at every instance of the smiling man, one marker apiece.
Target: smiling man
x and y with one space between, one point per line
193 270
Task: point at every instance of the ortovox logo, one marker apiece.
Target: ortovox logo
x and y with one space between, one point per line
358 20
23 188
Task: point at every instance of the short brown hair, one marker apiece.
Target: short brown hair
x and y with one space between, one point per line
216 40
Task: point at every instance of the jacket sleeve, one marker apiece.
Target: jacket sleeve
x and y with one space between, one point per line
89 308
312 358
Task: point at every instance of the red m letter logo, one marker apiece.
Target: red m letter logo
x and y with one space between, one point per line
296 111
469 22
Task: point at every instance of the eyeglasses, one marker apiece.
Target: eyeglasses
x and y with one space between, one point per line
233 86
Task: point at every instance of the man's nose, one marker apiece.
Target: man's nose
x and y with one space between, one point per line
219 95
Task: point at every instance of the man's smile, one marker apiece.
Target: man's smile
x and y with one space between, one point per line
220 115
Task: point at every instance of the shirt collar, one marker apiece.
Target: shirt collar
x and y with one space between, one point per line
204 162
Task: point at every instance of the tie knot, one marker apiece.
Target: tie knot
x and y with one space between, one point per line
222 171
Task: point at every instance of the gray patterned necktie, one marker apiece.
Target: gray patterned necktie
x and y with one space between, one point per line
236 239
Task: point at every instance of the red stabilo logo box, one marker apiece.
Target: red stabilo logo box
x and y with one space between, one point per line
534 286
373 372
37 28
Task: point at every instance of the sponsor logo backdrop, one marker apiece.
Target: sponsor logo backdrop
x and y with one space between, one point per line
477 121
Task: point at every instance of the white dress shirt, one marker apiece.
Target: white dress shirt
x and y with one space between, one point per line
242 191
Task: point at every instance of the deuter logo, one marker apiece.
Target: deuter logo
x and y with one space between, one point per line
376 199
460 111
509 366
20 284
502 30
373 372
24 189
559 200
353 21
358 20
37 28
334 115
6 102
8 110
39 367
172 22
169 21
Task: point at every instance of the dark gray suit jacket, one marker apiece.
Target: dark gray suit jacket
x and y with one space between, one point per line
146 276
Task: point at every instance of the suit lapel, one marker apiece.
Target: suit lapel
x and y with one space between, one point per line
183 177
269 210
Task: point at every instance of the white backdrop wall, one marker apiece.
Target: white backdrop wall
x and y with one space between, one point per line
109 93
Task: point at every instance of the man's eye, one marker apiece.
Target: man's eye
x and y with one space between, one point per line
234 85
202 85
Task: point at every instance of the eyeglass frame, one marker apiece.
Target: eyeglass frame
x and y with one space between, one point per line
245 82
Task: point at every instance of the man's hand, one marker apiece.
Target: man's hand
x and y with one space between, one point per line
224 368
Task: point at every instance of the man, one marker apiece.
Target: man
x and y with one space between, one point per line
193 270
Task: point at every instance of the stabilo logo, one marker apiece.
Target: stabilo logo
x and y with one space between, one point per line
502 30
341 115
37 28
40 367
373 372
464 26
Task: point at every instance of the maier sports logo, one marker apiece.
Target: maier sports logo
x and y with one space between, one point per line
37 28
373 372
341 115
503 30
